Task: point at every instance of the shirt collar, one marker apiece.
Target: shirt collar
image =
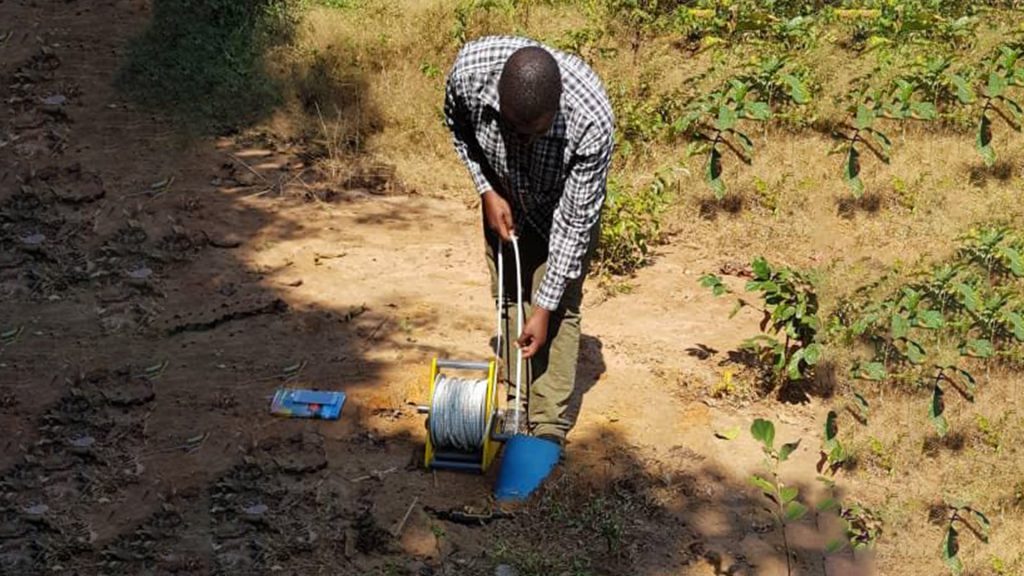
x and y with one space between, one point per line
489 95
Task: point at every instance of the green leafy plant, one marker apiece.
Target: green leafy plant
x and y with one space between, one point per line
904 102
972 298
712 123
990 315
934 76
787 506
780 82
707 24
583 41
900 347
1001 73
833 453
796 33
961 380
861 526
959 513
909 21
905 98
995 249
861 133
710 26
631 224
989 299
638 20
468 12
789 323
891 323
642 115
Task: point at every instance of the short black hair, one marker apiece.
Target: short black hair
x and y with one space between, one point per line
530 85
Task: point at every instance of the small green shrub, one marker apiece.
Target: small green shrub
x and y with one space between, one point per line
788 342
632 225
961 513
642 116
787 507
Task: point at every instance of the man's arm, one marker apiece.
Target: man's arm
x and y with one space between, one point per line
457 117
575 216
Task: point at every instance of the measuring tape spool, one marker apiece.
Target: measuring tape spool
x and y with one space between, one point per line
458 414
462 410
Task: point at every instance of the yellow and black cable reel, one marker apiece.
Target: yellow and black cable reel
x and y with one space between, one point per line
463 416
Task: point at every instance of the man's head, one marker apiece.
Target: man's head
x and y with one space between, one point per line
529 92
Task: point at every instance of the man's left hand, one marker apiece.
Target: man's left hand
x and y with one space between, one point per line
535 333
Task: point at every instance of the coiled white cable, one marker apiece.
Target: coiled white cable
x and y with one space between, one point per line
458 419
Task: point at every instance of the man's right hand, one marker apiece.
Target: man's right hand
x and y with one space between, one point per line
498 215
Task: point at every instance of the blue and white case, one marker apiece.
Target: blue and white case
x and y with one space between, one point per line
296 403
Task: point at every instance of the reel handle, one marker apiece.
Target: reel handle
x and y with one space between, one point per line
463 365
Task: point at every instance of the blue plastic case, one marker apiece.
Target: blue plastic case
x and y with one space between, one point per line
296 403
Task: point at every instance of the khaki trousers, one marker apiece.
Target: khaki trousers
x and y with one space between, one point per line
550 376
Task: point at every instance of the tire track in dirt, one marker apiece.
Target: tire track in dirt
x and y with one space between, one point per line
89 450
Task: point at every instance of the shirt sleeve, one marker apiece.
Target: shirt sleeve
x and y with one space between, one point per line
575 216
457 117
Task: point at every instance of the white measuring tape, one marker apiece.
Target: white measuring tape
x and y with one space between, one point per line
519 319
458 416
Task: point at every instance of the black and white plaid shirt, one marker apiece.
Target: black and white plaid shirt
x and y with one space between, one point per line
556 185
